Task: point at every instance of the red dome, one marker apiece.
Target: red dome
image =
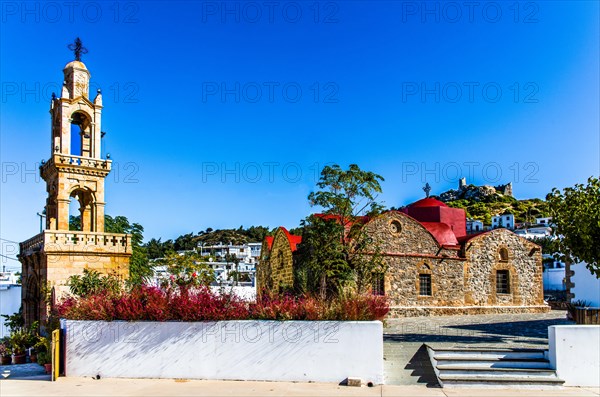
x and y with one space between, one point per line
427 202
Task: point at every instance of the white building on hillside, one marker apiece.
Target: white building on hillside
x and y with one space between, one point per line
506 221
248 253
474 226
543 221
534 232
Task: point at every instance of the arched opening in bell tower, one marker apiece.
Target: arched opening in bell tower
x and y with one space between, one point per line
81 134
81 210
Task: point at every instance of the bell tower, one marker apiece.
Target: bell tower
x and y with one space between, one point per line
75 174
76 169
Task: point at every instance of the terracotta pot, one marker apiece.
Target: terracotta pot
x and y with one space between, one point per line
6 360
48 368
19 359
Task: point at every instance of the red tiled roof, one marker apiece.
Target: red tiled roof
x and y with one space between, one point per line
269 240
292 239
442 232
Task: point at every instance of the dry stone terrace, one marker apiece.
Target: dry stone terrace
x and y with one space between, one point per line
406 361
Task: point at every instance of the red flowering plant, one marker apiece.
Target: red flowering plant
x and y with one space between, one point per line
181 303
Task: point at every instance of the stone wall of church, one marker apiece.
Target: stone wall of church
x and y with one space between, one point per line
263 269
279 268
397 233
402 281
523 261
410 250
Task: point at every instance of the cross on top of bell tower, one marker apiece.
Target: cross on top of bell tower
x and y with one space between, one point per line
78 49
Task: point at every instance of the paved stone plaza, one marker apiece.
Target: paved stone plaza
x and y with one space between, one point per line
407 363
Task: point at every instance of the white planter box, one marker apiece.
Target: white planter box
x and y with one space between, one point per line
320 351
574 352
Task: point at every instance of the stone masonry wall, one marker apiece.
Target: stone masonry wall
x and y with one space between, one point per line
280 263
409 250
524 264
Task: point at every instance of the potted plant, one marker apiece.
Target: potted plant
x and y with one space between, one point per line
18 342
31 342
43 349
5 353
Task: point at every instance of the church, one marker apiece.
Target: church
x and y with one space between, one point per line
74 173
433 266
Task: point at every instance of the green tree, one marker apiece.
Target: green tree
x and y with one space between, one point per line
154 249
74 222
322 266
334 249
186 270
575 213
185 242
140 269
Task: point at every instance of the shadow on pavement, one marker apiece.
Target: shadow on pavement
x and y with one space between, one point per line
512 329
421 367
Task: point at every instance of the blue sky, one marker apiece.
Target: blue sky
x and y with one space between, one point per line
220 114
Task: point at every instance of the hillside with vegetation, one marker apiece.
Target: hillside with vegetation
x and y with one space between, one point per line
157 248
484 206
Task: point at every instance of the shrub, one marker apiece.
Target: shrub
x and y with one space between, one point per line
92 282
201 304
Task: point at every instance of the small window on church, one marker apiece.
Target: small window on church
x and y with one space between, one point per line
378 284
425 284
395 227
502 282
503 254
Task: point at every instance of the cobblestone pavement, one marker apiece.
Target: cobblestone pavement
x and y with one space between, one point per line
406 360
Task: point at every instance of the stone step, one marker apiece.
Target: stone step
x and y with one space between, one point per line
484 367
479 354
484 357
498 364
496 372
507 381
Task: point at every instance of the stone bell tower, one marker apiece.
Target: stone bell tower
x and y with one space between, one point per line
74 174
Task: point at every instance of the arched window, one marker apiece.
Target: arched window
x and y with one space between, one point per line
503 252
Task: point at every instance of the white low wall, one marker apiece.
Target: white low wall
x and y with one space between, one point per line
574 352
320 351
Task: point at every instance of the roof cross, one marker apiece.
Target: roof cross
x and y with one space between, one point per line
427 189
78 49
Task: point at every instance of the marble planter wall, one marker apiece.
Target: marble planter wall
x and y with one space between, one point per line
320 351
574 352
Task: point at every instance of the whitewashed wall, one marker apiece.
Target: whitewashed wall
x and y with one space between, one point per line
586 285
10 302
574 352
320 351
554 279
